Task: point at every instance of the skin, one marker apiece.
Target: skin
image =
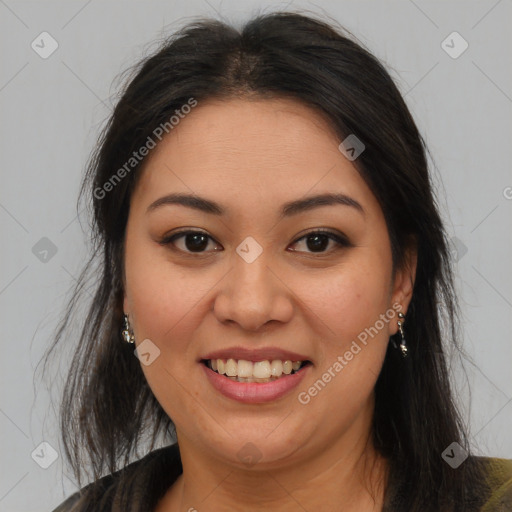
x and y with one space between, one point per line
251 156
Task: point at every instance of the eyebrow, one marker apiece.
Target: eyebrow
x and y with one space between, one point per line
288 209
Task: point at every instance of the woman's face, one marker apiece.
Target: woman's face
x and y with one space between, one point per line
252 286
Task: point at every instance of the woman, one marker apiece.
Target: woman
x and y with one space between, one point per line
275 298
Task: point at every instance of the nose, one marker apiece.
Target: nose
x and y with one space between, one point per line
253 295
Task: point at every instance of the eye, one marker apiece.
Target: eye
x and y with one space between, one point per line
193 241
317 241
197 241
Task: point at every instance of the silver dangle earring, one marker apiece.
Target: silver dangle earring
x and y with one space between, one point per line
403 345
126 333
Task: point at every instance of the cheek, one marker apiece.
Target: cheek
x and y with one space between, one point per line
347 309
167 308
348 305
347 299
164 298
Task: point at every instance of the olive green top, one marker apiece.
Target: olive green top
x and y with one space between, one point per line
500 480
141 485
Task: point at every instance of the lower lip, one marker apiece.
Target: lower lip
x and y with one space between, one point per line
254 392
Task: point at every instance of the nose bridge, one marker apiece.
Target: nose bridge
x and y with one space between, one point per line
252 277
252 295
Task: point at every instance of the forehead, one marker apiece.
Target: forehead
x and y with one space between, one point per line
247 151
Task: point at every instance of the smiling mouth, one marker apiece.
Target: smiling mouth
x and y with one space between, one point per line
241 370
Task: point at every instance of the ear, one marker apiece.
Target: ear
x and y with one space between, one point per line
126 300
403 284
126 306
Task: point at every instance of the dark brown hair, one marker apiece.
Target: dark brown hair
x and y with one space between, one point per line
108 407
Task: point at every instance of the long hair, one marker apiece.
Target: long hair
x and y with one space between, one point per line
107 406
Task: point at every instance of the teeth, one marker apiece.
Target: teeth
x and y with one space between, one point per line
260 371
249 379
244 368
231 368
276 368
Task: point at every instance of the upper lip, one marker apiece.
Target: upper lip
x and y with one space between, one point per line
256 354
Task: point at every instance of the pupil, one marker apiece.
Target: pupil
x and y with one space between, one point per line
320 242
197 244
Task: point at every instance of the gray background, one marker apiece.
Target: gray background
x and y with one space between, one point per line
52 110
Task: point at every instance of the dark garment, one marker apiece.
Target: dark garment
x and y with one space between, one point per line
140 486
136 488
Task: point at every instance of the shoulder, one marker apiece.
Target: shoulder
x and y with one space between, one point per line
499 480
137 485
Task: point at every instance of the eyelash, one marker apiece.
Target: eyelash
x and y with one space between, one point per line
340 240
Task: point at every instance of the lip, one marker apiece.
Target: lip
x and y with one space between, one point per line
259 354
255 392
